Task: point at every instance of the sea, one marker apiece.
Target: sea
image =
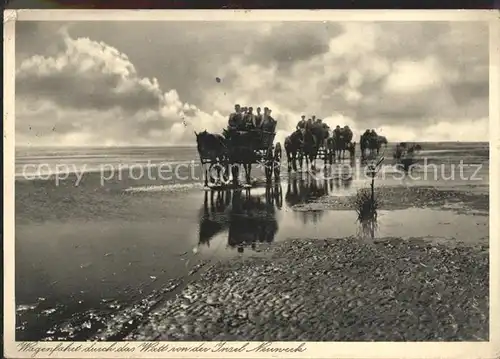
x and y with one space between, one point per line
41 162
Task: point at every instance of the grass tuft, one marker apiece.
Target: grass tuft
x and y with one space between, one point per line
366 205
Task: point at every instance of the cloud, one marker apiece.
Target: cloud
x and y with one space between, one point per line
283 45
91 93
410 77
135 84
87 75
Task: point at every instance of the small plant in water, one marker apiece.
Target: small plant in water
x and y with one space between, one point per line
366 205
365 202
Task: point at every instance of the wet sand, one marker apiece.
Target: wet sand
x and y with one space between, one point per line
98 261
334 290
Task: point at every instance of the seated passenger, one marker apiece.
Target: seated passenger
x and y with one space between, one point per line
268 123
249 120
337 133
309 124
258 118
348 134
302 123
235 119
273 122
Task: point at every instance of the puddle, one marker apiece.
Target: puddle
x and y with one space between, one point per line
240 219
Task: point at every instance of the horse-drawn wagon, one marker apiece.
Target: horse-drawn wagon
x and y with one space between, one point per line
222 155
317 142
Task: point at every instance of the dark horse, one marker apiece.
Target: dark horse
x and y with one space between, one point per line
342 142
404 155
381 141
293 148
372 143
212 149
312 143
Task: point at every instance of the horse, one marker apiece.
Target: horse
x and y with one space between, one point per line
212 149
342 143
372 143
404 155
311 146
293 149
315 136
322 133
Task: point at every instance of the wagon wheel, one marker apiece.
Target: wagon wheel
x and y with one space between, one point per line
213 174
277 161
225 171
268 161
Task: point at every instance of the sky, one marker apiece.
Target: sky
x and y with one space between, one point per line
154 83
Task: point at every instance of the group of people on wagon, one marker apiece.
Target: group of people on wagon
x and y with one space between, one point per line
244 119
314 123
311 123
369 136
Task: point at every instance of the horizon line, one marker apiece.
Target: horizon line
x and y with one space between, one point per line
194 145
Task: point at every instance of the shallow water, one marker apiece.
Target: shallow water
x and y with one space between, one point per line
161 231
80 245
277 223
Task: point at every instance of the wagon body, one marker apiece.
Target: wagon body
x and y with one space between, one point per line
244 147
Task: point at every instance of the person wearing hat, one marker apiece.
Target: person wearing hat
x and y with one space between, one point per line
337 132
236 118
258 118
267 121
347 133
309 124
317 122
325 127
302 123
249 120
272 126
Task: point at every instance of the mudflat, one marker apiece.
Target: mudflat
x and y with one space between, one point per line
157 259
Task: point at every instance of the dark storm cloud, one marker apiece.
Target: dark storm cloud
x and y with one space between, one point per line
41 38
288 43
184 56
87 75
94 93
469 91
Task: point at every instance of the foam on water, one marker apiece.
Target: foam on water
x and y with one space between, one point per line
176 187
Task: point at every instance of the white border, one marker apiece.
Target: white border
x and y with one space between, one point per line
489 349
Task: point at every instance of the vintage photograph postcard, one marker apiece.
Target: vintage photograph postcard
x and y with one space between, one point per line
251 184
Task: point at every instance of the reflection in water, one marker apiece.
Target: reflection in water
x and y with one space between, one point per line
367 229
248 218
301 191
212 213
